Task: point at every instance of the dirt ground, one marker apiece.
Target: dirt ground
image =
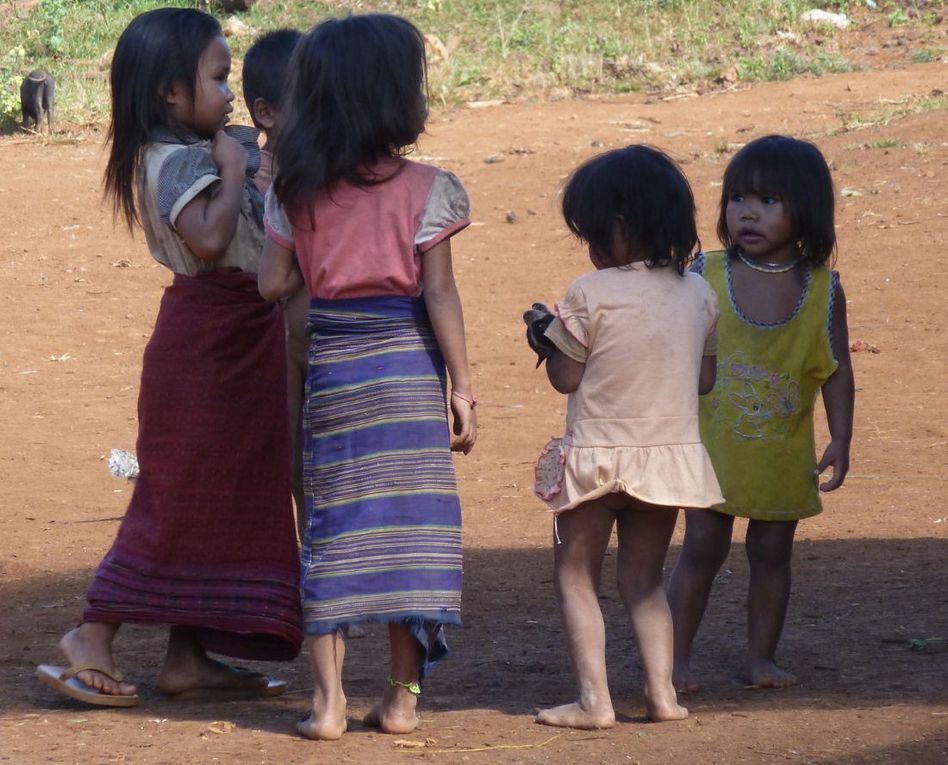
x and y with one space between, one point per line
868 618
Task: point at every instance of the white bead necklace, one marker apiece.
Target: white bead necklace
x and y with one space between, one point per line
767 268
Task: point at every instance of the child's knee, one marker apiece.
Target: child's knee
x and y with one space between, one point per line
634 587
706 552
774 557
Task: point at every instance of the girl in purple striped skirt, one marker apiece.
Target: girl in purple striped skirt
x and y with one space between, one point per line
369 232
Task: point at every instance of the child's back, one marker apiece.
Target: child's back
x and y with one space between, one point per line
634 418
348 254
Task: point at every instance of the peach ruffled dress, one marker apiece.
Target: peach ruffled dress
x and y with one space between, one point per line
632 425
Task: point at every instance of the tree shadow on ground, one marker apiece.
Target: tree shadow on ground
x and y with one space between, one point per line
867 627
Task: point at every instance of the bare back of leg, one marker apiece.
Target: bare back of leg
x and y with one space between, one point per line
644 532
584 534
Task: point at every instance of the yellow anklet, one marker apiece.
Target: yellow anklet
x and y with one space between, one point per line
412 687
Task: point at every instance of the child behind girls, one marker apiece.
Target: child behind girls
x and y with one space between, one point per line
783 339
633 345
265 75
371 234
213 446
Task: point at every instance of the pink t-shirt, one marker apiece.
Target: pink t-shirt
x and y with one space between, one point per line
367 240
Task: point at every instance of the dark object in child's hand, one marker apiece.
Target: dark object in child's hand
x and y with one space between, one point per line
538 318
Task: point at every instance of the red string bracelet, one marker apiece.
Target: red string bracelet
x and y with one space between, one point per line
472 401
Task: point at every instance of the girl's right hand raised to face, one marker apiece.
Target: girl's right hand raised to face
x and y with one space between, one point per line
465 423
228 154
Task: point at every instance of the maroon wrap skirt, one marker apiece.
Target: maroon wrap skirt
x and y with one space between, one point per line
208 540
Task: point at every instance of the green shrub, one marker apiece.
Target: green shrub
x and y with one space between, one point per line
11 65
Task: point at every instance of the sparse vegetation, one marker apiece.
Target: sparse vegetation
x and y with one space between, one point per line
879 143
889 110
478 49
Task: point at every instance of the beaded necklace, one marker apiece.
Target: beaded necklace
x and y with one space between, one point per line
767 268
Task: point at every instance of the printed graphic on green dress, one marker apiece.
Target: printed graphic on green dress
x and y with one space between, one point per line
755 402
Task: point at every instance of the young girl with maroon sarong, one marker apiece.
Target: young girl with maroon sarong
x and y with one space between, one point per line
207 544
370 234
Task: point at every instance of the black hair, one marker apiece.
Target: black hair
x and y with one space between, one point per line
356 94
157 50
266 68
795 172
644 191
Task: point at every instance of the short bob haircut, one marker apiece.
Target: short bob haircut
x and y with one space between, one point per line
642 189
158 49
266 68
356 95
795 172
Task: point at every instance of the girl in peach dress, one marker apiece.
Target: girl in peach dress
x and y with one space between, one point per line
633 344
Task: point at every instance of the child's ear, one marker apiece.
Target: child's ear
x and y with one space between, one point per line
263 113
175 94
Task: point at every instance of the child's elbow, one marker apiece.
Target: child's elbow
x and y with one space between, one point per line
564 386
564 373
708 374
269 289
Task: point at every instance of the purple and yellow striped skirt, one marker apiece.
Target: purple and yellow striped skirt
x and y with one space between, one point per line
383 540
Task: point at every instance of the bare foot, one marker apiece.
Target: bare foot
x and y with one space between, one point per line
325 725
684 680
764 673
90 644
198 674
576 716
395 713
663 706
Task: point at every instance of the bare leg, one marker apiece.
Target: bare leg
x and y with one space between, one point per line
644 533
577 569
90 644
706 545
395 713
769 550
188 668
328 718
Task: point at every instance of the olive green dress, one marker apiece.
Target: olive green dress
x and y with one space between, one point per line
757 423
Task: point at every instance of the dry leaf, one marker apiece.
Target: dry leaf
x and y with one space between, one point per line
410 744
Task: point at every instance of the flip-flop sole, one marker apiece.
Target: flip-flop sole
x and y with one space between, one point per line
271 689
73 688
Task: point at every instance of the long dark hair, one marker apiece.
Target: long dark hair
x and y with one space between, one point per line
642 189
356 94
795 172
157 49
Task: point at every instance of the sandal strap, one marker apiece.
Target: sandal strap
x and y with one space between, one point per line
75 669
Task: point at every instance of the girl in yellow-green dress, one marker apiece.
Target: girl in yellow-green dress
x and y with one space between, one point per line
782 340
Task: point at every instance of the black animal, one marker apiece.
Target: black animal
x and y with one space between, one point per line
36 98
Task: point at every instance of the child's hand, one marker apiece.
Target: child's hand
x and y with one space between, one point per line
837 456
228 154
465 423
